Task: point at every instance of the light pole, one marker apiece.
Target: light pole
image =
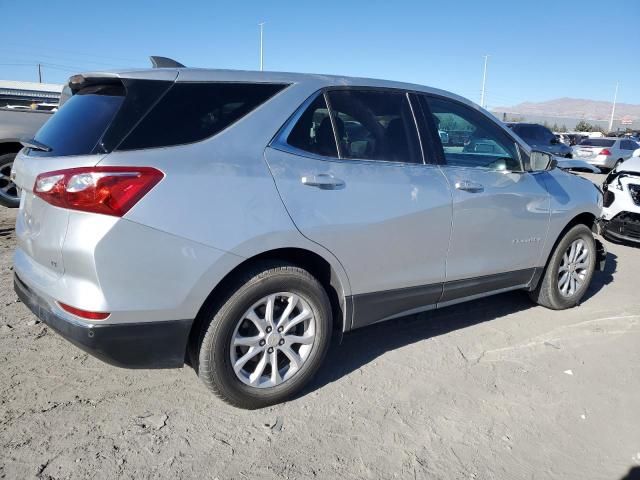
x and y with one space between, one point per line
613 108
484 80
261 46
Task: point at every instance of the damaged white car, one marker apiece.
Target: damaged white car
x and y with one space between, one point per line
621 213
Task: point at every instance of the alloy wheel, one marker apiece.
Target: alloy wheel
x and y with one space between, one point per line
574 268
273 340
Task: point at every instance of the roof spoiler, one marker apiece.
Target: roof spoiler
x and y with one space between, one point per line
165 62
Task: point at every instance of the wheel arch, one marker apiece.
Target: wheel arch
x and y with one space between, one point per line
10 147
313 262
583 218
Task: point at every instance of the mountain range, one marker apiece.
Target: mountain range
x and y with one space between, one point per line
574 108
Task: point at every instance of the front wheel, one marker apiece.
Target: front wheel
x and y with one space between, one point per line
569 271
268 339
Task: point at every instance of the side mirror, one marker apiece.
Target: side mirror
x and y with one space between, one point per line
542 161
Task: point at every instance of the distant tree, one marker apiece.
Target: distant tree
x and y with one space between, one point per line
583 126
563 128
555 127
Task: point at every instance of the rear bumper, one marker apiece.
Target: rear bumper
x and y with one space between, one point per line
159 344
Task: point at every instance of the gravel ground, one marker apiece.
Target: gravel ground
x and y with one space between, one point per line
496 388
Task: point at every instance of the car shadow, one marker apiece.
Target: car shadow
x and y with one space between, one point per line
364 345
602 279
634 474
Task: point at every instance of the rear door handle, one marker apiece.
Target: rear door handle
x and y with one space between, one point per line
323 181
469 186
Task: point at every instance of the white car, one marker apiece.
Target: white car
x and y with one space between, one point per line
621 212
607 153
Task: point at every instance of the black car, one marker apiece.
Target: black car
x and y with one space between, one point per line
541 138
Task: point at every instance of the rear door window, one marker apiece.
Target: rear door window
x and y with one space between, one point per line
375 125
313 131
190 112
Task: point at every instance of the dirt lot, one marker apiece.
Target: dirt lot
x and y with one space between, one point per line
492 389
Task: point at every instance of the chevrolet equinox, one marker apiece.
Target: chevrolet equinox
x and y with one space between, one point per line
233 221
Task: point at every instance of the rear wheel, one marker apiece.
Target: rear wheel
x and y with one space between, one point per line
568 274
9 193
268 339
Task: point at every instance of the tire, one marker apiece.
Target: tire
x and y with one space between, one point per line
549 293
216 353
9 195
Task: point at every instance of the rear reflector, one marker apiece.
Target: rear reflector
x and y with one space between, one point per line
84 313
605 151
106 190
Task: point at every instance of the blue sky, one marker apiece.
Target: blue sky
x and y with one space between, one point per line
538 50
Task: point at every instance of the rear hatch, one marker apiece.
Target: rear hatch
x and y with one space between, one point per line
93 122
593 147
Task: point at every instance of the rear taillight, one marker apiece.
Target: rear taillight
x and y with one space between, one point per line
605 151
84 313
106 190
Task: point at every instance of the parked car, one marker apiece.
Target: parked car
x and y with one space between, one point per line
575 138
606 153
576 165
228 220
14 125
621 214
541 138
562 138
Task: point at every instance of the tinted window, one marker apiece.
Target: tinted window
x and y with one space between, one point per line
313 131
533 133
78 126
473 139
190 112
628 145
597 142
375 125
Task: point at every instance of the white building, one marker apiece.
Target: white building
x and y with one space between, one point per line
16 93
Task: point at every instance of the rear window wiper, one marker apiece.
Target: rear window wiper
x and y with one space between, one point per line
36 145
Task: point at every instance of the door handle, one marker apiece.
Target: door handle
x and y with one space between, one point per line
469 186
323 181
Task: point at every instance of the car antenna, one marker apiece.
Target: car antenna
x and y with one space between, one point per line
164 62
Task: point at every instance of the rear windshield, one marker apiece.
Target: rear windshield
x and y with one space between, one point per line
78 126
136 114
597 142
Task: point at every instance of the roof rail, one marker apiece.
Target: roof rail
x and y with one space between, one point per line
165 62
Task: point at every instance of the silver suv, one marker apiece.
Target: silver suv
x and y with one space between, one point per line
235 221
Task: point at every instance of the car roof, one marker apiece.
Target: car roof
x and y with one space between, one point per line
222 75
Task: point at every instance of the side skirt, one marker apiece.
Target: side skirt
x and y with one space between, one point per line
369 308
